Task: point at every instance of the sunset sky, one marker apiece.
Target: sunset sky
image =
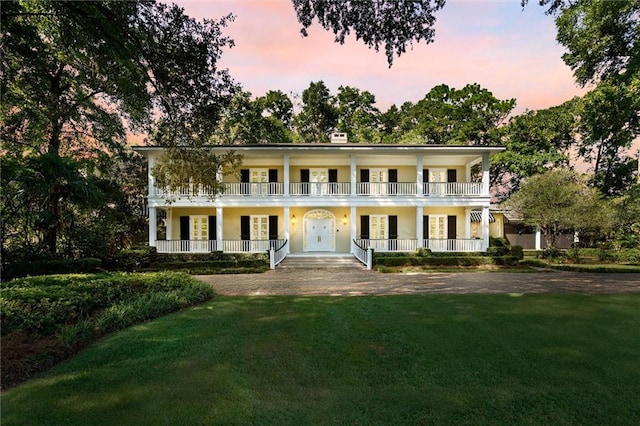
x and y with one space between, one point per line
508 50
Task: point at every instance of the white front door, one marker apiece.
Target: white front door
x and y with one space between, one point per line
259 232
319 231
259 179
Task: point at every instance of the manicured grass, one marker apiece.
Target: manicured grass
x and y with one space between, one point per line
437 359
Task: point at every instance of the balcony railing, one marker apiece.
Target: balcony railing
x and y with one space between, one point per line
329 189
410 245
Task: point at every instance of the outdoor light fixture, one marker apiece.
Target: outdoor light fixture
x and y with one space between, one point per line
293 219
344 220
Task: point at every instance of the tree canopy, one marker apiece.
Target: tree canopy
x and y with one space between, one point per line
390 24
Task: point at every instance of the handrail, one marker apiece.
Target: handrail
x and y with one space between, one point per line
364 255
278 254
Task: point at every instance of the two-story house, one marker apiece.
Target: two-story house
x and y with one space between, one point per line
332 198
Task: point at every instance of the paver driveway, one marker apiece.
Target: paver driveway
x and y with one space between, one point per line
360 282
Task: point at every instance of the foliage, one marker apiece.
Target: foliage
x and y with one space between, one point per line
535 141
318 116
357 115
13 269
69 311
556 201
385 261
76 78
385 22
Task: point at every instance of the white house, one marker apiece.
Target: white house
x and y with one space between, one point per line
332 198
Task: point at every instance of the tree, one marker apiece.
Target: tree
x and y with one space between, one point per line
535 142
602 39
467 116
318 116
357 115
259 121
77 76
557 201
394 24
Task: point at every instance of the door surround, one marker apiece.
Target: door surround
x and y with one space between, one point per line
325 239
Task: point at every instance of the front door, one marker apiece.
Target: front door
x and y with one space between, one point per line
319 231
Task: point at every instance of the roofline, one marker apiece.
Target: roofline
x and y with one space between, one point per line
397 149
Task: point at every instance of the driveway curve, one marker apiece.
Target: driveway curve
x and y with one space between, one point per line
327 282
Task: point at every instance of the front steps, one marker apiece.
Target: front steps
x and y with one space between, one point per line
343 262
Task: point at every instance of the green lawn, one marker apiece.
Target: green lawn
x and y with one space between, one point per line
438 359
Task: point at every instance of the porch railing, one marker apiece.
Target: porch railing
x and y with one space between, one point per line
278 254
386 188
186 246
253 188
410 245
434 244
250 246
363 254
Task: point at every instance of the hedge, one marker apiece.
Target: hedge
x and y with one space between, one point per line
445 261
48 267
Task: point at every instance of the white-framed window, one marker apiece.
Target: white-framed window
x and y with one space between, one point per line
438 227
318 179
259 227
199 227
378 179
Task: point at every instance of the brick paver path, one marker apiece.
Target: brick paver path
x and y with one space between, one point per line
360 282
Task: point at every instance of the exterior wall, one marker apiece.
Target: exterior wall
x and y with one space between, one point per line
294 171
496 229
231 219
174 218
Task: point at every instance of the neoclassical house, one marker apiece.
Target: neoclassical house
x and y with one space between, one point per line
332 198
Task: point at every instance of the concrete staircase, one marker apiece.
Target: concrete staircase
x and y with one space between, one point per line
325 262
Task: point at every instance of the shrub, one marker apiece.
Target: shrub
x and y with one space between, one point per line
517 251
497 251
132 259
50 266
423 252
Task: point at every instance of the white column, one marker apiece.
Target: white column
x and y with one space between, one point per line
485 174
467 221
485 228
538 238
352 222
153 227
150 179
420 179
286 178
353 176
419 228
219 228
287 222
169 224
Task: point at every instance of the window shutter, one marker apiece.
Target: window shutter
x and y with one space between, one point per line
304 178
425 179
393 227
244 181
273 227
452 175
364 175
184 228
245 228
451 227
393 182
333 179
273 175
364 227
212 227
425 227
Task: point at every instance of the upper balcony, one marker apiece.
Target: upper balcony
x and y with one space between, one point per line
333 189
